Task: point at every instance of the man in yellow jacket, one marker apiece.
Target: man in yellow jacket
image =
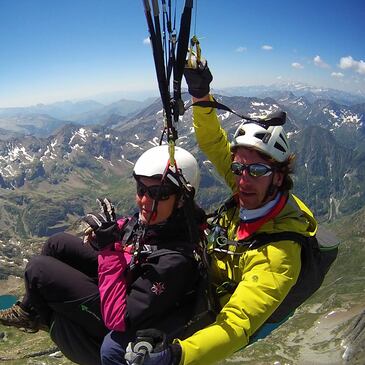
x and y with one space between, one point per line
253 284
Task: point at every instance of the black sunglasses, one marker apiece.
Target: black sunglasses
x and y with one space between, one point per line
254 169
155 192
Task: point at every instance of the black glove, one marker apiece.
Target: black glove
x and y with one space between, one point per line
151 348
198 79
102 228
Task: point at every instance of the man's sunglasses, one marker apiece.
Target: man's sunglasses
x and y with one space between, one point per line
254 169
155 192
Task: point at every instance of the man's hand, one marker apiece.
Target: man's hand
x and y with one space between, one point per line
101 228
198 79
151 348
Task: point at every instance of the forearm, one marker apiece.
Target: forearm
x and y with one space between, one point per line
113 288
213 141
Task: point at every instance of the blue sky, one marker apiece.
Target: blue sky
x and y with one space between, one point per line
55 50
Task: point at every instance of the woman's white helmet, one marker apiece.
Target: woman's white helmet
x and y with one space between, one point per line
153 162
270 140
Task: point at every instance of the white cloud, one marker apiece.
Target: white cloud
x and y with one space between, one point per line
346 62
241 49
349 63
146 40
337 74
319 62
297 65
266 47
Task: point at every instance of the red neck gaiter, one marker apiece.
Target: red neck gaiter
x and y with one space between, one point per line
246 229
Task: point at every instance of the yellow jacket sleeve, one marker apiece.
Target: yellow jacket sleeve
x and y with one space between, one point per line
268 275
205 124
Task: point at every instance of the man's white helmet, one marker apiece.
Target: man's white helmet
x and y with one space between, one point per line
271 141
153 162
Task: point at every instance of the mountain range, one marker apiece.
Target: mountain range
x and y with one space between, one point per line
44 119
327 137
50 175
312 93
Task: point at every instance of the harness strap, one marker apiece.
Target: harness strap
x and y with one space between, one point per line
262 239
157 50
182 49
274 119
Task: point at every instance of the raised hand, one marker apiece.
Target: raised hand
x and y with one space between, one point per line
198 79
101 228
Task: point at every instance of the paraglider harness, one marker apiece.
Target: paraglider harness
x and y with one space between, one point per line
318 252
170 53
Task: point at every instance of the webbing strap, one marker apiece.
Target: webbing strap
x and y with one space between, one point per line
217 105
182 48
262 239
274 119
158 54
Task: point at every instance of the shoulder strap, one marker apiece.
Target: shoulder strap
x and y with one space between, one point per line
262 239
128 229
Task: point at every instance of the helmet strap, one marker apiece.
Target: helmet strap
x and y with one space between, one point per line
153 214
271 190
186 196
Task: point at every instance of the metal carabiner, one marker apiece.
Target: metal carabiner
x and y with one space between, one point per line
194 57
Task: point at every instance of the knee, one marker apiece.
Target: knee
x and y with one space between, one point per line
35 266
56 244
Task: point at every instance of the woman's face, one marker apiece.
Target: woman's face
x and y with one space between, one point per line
144 201
253 190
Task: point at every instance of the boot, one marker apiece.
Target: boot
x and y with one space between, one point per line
16 316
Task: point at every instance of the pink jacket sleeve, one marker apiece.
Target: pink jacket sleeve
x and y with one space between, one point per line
112 286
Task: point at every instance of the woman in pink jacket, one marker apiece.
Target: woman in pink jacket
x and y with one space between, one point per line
144 266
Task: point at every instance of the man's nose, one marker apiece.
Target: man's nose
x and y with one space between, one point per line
245 175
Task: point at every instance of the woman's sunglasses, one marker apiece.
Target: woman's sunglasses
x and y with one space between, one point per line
155 192
254 169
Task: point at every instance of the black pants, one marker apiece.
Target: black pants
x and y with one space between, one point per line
61 286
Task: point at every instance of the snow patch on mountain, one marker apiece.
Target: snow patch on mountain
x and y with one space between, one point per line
10 160
344 116
16 153
8 171
263 112
155 141
77 147
224 116
50 151
82 133
133 145
254 103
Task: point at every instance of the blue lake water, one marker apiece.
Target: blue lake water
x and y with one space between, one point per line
7 301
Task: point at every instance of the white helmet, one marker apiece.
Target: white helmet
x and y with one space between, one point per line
153 162
271 140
